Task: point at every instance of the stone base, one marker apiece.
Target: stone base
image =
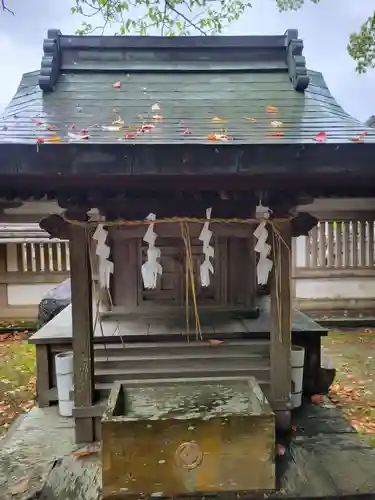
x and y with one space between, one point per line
188 438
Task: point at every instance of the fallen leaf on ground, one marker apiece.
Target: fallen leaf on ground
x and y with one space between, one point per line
19 487
215 341
84 453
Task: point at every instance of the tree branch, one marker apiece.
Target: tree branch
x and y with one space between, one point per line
186 19
5 8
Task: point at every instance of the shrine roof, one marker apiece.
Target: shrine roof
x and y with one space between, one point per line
182 90
104 113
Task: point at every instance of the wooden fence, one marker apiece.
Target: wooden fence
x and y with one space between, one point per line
334 265
30 265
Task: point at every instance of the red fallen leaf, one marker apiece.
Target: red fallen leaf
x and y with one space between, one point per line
130 135
187 131
356 139
117 85
147 127
363 134
73 126
37 122
280 450
316 399
320 137
158 118
40 140
251 120
278 134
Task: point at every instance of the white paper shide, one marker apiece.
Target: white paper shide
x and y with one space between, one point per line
208 251
152 267
102 251
262 247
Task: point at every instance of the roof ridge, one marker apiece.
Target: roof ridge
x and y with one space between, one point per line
173 54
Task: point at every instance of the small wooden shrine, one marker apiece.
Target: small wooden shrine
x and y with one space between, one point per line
185 146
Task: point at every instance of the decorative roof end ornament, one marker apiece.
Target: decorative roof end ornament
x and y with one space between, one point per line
296 62
50 67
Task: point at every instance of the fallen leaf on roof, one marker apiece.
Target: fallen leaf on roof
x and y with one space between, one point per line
73 126
187 131
182 124
212 137
158 118
112 128
215 341
40 140
117 85
130 135
155 107
78 137
146 127
271 109
276 123
19 487
217 119
119 121
51 127
79 109
219 137
251 120
364 134
356 139
37 122
320 137
277 134
280 450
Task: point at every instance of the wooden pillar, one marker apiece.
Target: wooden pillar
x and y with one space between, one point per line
280 348
81 286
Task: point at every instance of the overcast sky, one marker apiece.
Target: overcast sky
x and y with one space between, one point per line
325 29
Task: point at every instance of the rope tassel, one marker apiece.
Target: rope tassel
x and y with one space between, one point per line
208 250
152 267
262 247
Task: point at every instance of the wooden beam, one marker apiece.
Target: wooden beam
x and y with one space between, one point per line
280 335
83 362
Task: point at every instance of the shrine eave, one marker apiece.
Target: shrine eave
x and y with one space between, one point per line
141 166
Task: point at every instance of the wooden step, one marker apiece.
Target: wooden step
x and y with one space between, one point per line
183 347
188 369
192 360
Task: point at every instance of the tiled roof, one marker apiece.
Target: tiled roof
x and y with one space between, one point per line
246 95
